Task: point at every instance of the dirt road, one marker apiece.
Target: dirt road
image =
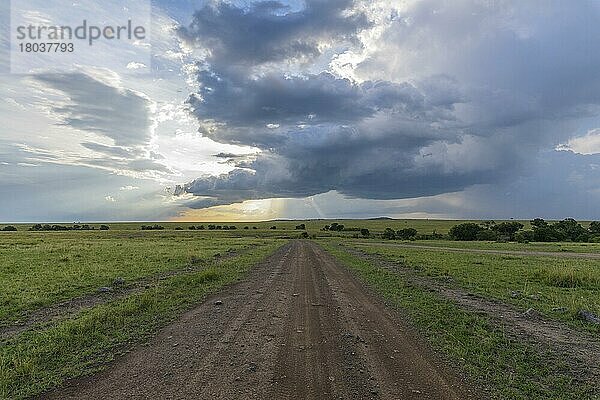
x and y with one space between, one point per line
298 327
558 254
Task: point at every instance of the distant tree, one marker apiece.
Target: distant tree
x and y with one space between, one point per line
9 228
232 227
201 227
365 232
192 228
571 230
304 235
538 223
507 229
595 227
389 234
152 227
254 227
273 227
486 234
524 236
488 224
406 233
246 227
465 231
106 227
301 227
335 227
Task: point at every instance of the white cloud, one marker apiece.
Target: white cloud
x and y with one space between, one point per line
586 144
136 65
109 198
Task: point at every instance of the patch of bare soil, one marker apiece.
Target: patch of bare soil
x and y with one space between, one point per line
300 326
581 348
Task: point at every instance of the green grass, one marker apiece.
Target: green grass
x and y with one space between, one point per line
41 359
507 368
544 283
314 225
569 277
40 269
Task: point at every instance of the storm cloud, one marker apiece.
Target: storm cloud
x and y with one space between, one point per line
442 95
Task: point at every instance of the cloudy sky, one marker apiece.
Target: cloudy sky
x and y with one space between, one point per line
249 110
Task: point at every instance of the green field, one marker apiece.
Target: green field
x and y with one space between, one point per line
165 272
170 270
542 282
375 225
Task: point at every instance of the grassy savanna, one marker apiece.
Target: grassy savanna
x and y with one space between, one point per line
39 269
41 358
505 367
566 247
425 226
544 283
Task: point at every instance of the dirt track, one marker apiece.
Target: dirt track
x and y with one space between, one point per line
298 327
489 251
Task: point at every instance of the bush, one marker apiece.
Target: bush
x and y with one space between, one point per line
9 228
406 233
486 234
524 236
507 229
389 234
152 227
106 227
595 227
301 227
304 235
465 231
365 232
273 227
334 227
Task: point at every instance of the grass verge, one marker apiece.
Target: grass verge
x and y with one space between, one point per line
504 367
41 359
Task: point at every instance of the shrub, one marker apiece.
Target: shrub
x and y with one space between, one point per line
9 228
486 234
334 227
524 236
273 227
365 232
465 231
406 233
301 227
106 227
152 227
389 233
507 229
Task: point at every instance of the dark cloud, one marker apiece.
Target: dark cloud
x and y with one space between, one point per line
463 96
267 31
